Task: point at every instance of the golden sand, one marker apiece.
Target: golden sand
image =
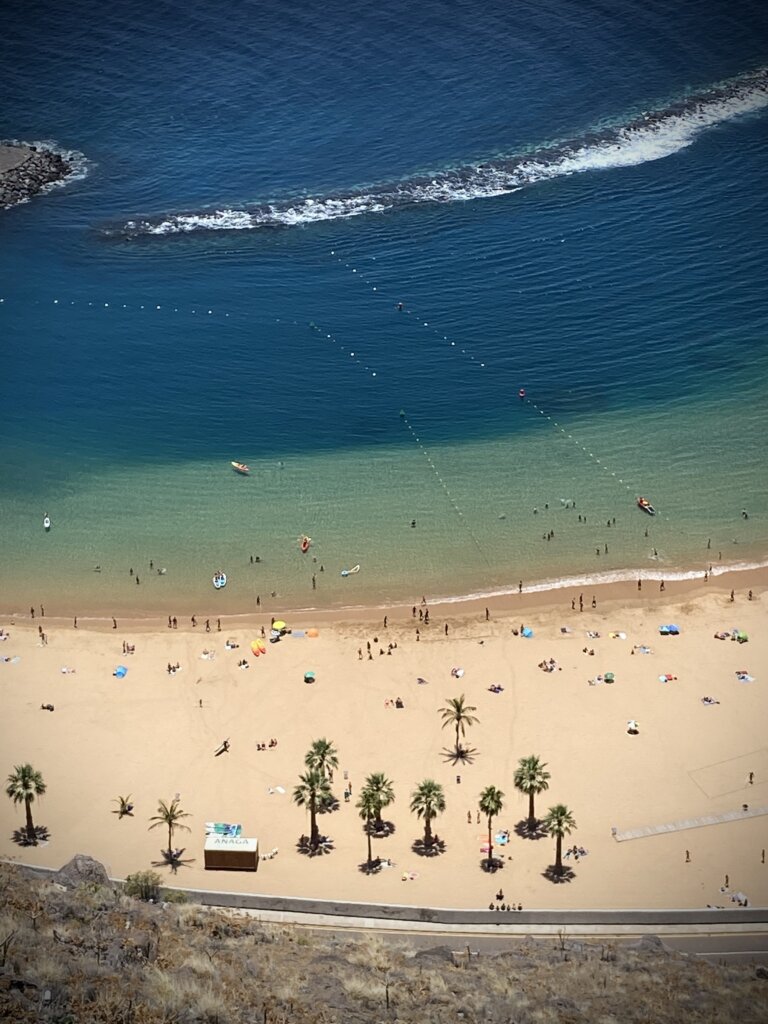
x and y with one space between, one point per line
147 735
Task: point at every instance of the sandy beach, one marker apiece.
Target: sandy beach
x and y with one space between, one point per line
153 735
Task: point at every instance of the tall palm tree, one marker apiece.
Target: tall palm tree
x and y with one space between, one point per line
383 794
531 779
368 807
170 815
458 714
559 823
491 804
23 785
312 789
427 801
322 757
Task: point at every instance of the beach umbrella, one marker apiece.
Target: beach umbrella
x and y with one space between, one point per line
312 632
278 625
527 632
609 677
120 671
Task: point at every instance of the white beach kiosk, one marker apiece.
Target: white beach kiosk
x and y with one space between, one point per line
231 853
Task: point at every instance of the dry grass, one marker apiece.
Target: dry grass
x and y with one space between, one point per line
103 958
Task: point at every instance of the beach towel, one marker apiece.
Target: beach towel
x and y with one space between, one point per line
618 636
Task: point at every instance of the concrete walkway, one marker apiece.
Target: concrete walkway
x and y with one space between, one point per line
622 835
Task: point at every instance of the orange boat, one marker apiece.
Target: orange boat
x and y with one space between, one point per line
646 506
240 467
304 543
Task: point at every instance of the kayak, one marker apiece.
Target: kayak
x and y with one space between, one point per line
350 572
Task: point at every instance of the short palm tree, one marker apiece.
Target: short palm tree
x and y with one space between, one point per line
368 807
125 807
322 757
23 785
559 823
383 793
531 779
459 715
427 801
171 816
491 804
313 788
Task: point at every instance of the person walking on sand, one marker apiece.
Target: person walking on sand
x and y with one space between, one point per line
573 604
194 621
75 622
732 596
594 601
661 585
114 623
487 615
639 584
207 625
175 622
520 587
32 612
446 629
581 602
218 625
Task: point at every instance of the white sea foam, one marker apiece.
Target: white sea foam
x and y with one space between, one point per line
651 136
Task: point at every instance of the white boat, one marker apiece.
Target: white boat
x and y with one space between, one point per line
350 572
46 522
219 579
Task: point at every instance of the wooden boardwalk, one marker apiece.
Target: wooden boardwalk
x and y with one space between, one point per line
621 835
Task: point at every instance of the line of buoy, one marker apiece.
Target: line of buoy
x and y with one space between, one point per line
480 363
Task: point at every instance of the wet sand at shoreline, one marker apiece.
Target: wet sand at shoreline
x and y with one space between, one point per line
146 735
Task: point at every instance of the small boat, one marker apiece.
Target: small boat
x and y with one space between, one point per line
350 572
240 467
646 506
219 579
304 543
46 522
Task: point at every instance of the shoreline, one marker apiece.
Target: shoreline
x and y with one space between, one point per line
539 596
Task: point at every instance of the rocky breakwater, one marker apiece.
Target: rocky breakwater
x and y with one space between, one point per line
27 170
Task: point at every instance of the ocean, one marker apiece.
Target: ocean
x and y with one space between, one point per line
336 242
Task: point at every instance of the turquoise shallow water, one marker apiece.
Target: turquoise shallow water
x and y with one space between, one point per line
586 223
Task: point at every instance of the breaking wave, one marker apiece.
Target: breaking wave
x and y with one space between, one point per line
649 136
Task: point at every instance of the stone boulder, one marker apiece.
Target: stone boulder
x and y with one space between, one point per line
82 870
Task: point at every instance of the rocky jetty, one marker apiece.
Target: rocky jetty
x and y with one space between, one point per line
27 170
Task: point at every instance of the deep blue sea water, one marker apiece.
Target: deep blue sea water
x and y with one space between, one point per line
567 198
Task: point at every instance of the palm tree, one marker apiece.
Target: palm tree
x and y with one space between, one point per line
24 784
427 801
313 788
458 714
383 792
322 757
171 816
491 804
559 823
125 807
531 779
368 806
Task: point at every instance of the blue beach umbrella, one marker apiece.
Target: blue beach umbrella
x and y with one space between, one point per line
120 671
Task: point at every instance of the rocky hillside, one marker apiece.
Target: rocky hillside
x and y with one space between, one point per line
77 950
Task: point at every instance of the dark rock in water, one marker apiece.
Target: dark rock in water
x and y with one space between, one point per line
27 170
82 870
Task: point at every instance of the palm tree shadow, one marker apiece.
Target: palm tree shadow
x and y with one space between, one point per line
305 847
559 877
492 867
21 837
387 828
459 755
524 830
434 849
328 806
173 862
370 869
